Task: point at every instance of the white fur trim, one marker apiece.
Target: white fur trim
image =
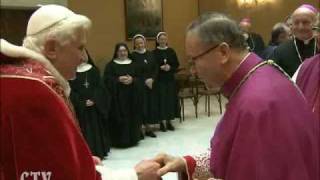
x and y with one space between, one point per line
21 52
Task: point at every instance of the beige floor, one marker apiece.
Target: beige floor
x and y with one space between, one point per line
191 136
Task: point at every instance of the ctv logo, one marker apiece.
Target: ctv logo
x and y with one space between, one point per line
36 175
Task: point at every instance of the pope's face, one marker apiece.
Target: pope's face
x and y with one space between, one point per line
70 55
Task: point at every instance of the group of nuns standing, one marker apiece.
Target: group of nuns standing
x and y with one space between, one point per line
138 91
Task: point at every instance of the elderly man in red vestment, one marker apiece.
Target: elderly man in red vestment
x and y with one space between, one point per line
39 136
268 130
307 76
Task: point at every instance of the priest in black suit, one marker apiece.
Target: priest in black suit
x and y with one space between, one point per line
291 54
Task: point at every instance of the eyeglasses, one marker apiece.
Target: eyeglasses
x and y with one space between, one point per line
204 53
317 29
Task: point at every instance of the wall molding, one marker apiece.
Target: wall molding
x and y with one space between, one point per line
21 4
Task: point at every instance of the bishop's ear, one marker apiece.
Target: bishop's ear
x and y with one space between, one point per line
225 52
50 48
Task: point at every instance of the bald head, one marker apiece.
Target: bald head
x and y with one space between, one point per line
245 24
305 10
303 19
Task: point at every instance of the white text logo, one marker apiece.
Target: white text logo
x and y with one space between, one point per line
37 175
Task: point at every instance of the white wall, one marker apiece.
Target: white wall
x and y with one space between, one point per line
31 3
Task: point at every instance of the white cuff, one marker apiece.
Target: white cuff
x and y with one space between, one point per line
109 174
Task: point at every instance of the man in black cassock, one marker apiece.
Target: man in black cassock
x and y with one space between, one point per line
291 54
254 40
91 102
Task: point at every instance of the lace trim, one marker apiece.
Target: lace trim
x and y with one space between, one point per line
202 169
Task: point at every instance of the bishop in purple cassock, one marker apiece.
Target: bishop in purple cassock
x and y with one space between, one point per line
308 76
268 131
308 80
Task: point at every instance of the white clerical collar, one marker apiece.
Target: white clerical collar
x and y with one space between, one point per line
122 61
246 35
140 51
162 48
83 67
305 42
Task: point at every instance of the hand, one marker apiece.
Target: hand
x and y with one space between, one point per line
128 80
96 160
163 67
149 83
147 170
122 79
89 103
169 164
168 67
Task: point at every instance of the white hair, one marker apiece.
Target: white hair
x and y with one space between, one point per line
63 31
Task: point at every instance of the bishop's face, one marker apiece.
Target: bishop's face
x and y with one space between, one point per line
302 25
206 61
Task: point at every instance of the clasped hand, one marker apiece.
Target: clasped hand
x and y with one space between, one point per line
89 103
159 166
127 79
165 67
149 83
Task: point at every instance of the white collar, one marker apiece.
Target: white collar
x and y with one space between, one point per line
298 52
305 42
83 67
162 48
122 61
246 35
20 51
140 51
